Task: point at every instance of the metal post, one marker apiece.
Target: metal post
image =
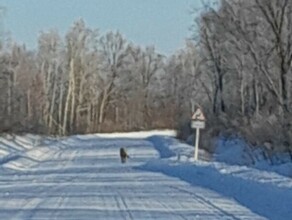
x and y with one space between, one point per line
197 143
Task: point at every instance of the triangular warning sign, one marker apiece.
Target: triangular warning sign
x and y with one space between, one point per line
198 115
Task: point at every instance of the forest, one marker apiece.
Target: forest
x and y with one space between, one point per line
236 67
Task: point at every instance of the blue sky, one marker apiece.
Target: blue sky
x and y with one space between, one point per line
162 23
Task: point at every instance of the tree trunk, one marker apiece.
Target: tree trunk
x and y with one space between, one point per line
73 98
222 104
66 110
117 115
47 87
9 97
89 118
80 102
29 110
242 98
60 114
52 106
257 100
102 107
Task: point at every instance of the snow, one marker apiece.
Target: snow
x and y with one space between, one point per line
138 134
81 177
236 151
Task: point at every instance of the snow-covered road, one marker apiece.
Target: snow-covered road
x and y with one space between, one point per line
82 178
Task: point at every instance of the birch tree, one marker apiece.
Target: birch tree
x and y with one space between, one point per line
79 42
50 61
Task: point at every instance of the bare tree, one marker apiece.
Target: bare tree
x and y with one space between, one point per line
146 67
79 43
49 60
114 52
247 51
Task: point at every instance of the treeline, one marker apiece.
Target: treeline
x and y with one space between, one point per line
237 68
89 82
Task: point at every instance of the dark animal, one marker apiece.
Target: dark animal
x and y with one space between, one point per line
123 155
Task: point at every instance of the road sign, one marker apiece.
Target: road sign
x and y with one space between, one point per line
198 121
198 124
198 115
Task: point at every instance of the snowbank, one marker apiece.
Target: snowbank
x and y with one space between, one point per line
264 193
235 151
138 134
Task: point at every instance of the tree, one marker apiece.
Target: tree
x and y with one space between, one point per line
247 53
80 42
114 53
50 66
146 66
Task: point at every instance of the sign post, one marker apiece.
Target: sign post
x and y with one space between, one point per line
198 122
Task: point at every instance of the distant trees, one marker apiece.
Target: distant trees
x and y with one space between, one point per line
86 82
147 67
183 84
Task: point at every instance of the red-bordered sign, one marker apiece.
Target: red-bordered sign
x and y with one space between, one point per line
198 115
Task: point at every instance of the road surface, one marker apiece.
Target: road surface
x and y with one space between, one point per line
84 179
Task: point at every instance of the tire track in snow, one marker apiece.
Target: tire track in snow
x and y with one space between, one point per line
30 209
125 207
26 211
79 185
208 203
170 210
59 204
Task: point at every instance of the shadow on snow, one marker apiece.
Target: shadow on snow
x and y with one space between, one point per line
264 199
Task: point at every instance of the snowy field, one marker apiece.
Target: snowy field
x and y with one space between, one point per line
81 177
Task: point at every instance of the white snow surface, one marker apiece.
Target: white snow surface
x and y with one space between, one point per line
81 177
236 151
